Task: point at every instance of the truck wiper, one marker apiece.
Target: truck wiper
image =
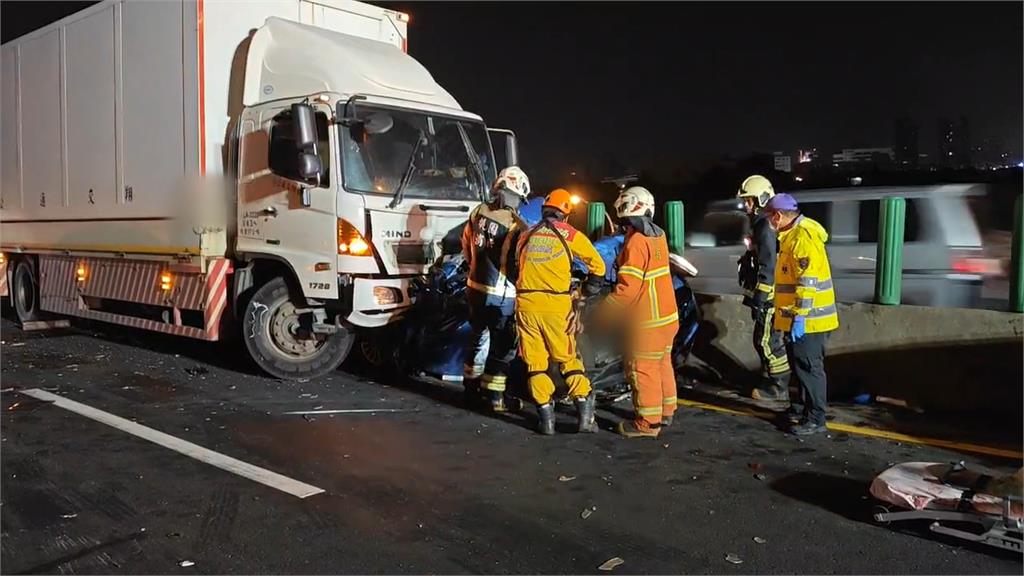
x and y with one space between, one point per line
474 161
407 175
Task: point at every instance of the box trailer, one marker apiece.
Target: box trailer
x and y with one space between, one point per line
283 166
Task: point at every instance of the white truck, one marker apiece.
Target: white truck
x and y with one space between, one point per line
174 165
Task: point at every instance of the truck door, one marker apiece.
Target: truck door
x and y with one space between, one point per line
279 214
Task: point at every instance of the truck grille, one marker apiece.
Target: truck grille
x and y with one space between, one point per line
415 254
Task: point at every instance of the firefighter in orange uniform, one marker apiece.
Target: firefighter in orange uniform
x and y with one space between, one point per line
645 304
545 311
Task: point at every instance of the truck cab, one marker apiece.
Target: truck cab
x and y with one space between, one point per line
356 172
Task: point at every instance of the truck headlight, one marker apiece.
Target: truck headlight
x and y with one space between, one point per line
350 241
386 295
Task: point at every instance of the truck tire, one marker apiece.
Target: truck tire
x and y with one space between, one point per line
278 342
25 292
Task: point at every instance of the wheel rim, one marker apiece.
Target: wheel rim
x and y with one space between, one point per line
289 336
371 352
25 294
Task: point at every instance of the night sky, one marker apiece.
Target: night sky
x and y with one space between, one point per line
587 86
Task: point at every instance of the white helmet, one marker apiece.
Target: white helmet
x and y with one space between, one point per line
757 187
514 180
634 201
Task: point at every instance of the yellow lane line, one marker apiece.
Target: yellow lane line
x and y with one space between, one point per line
873 432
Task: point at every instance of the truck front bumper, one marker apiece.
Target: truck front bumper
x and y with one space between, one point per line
378 301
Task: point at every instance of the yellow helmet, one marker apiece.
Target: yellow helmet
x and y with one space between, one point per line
757 187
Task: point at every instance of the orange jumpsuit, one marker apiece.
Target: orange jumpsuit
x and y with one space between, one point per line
644 297
543 306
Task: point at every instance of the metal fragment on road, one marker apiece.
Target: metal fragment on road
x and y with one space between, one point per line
759 540
69 516
587 512
761 477
611 563
566 478
733 559
186 563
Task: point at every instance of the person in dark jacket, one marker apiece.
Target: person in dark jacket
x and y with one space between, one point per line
488 246
757 277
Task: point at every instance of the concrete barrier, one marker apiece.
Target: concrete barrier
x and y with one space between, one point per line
935 358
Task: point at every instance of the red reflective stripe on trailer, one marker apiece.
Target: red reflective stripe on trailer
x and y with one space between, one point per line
216 296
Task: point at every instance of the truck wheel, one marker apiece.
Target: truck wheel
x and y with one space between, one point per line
279 340
25 292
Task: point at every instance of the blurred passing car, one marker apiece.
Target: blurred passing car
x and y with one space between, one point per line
943 259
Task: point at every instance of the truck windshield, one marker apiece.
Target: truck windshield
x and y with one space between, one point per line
378 151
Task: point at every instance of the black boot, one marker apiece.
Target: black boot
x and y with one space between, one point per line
497 400
546 418
471 392
585 412
773 390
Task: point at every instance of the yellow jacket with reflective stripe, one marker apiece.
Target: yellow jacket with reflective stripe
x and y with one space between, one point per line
803 278
545 270
644 286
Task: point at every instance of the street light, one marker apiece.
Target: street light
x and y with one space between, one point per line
575 199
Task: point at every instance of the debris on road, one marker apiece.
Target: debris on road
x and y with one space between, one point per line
761 477
353 411
566 478
186 563
196 371
611 563
16 344
69 516
759 540
28 405
733 559
587 512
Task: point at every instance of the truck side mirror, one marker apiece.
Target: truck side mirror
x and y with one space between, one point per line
502 139
304 126
309 166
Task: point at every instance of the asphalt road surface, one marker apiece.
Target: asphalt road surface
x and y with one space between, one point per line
415 483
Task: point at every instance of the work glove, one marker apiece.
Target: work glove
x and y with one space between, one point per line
799 328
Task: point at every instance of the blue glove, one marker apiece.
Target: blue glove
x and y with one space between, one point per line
799 328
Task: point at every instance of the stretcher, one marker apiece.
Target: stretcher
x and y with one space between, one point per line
959 502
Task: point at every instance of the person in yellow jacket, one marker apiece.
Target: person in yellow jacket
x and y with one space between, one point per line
545 309
805 307
645 301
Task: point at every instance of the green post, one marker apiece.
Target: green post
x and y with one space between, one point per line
595 220
1016 262
674 226
889 258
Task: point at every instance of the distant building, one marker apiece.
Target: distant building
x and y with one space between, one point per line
876 156
954 150
905 143
783 162
807 156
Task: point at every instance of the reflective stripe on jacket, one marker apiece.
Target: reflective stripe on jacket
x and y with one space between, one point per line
644 288
544 273
803 278
487 245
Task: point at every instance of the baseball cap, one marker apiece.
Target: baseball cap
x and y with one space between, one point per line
782 202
